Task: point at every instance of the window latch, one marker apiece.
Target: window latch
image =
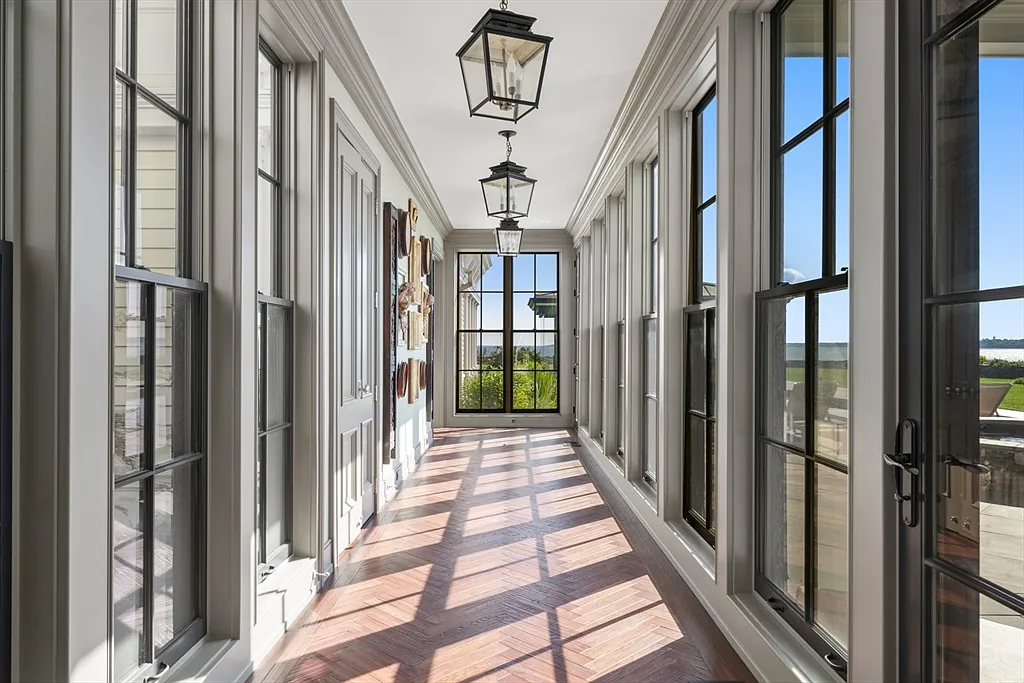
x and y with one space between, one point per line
160 671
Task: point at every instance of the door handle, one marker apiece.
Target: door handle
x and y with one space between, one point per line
906 470
979 467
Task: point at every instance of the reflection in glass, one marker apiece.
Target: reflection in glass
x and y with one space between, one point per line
266 237
266 111
697 368
782 367
977 639
650 405
831 586
156 178
832 376
278 370
174 553
129 376
843 192
276 455
696 429
173 313
129 568
121 223
802 191
978 152
158 47
803 25
783 494
979 439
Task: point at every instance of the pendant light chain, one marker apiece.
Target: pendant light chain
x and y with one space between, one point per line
508 149
504 5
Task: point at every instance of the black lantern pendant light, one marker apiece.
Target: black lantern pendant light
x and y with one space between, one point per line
509 237
503 65
507 191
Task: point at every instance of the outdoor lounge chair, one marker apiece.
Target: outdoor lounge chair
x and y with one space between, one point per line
990 397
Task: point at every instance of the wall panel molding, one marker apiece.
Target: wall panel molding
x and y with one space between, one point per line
682 33
327 24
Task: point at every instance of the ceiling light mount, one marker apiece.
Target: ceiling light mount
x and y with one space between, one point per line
503 65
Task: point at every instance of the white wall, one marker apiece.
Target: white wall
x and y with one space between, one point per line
412 429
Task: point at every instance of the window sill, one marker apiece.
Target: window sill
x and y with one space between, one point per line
280 598
695 545
803 662
211 661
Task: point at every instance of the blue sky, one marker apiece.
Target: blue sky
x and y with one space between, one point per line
1001 193
528 271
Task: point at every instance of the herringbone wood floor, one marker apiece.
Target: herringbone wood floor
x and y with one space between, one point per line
499 560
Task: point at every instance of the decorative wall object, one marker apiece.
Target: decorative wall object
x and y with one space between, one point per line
414 380
415 270
391 228
425 256
414 214
405 296
426 307
414 338
402 380
404 233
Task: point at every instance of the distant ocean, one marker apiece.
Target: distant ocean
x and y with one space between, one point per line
1004 354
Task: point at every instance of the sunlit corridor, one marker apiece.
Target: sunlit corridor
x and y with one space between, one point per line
502 561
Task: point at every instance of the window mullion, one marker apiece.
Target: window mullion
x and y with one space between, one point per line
828 223
130 162
507 336
149 437
810 393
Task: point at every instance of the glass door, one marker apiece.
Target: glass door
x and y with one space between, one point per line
958 453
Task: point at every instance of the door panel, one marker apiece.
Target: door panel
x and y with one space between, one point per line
961 335
354 340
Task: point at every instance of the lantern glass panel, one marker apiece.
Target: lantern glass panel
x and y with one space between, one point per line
473 73
509 241
496 197
521 194
516 65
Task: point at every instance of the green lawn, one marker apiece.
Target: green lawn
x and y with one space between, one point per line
1014 399
839 376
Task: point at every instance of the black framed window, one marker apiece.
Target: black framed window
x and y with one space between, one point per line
650 336
507 351
803 330
620 318
576 335
274 412
699 320
159 342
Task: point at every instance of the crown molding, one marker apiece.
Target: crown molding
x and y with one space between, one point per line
678 41
330 27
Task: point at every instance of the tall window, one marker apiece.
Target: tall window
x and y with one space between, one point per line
274 437
508 333
620 320
159 376
699 318
803 330
650 324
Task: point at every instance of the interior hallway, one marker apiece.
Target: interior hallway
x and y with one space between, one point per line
502 559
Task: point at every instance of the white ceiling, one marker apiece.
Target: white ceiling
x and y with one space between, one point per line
596 49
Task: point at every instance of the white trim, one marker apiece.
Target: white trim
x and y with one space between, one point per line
343 124
328 25
680 34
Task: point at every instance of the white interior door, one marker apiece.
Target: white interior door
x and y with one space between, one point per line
355 257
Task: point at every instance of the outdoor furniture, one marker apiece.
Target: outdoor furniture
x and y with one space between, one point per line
990 397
